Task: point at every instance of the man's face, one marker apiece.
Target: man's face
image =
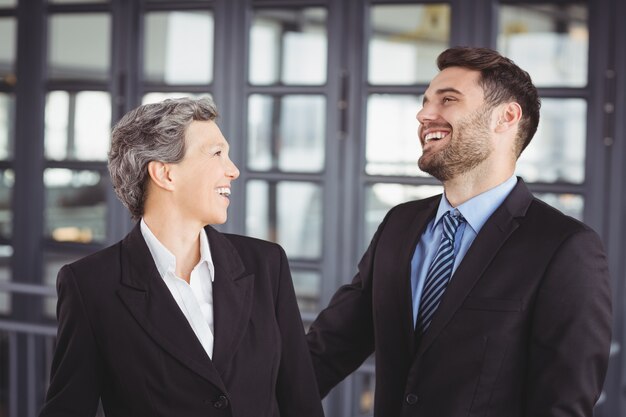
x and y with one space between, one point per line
203 177
454 124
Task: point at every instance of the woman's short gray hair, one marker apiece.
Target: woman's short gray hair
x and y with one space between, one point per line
152 132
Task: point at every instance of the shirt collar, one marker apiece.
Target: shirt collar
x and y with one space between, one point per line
478 209
205 253
164 259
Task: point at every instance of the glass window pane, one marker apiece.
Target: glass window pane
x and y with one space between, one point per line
257 211
307 286
75 205
364 387
156 97
92 126
289 213
392 145
570 204
7 179
88 137
549 41
52 263
557 152
7 117
77 1
298 143
300 219
379 198
56 125
8 30
79 46
261 148
5 368
405 41
288 46
6 252
179 47
32 383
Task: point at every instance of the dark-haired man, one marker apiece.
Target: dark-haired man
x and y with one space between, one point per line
482 301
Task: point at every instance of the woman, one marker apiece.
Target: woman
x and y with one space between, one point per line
178 319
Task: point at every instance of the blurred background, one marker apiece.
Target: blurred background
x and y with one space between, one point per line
318 100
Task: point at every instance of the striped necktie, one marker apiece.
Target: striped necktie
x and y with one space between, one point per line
439 272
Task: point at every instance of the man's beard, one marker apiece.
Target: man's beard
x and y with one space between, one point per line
467 148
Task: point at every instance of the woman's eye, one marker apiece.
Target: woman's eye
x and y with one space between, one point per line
218 153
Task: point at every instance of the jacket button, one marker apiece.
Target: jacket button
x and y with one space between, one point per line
221 402
411 399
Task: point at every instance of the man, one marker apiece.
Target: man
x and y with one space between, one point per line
178 319
483 301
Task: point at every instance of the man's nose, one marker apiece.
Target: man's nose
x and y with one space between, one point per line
426 114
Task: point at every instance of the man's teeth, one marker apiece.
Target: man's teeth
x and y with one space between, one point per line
434 136
224 191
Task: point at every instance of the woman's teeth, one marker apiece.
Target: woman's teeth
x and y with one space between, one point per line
224 191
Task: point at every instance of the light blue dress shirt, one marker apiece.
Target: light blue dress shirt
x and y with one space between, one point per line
476 212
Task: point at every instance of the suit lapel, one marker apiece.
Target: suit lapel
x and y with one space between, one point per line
232 299
149 301
502 223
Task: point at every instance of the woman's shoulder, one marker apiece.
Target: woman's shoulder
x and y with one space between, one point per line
251 244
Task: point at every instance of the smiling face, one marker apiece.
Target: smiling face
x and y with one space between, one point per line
454 124
202 179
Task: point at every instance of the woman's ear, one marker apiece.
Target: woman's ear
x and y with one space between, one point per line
509 117
160 174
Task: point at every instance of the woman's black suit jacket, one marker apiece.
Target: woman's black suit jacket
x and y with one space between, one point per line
123 338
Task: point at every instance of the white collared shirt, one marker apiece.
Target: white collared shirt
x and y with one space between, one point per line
195 299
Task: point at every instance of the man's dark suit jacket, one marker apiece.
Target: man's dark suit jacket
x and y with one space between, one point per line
123 338
523 328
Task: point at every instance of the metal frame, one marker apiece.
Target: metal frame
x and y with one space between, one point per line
616 201
27 192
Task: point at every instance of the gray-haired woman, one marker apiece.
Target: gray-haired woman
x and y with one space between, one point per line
178 319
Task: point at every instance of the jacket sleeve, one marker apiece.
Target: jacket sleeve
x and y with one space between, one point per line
296 389
342 336
570 335
75 382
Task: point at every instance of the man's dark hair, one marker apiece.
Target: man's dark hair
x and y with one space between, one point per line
502 81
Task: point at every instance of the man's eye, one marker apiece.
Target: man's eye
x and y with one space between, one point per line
218 153
447 99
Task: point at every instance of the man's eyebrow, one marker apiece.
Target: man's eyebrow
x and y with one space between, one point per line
443 91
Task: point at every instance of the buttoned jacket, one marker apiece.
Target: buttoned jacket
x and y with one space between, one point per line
523 329
123 338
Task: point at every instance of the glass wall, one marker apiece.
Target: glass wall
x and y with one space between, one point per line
77 126
318 101
551 42
8 80
287 136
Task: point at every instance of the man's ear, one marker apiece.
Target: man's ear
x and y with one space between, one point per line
160 173
508 117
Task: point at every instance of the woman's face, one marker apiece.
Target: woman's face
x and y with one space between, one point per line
203 177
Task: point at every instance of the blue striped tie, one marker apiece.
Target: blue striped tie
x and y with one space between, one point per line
439 272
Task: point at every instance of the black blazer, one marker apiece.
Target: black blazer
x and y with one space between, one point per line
123 338
523 329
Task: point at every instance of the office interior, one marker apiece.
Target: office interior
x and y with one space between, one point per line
318 101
